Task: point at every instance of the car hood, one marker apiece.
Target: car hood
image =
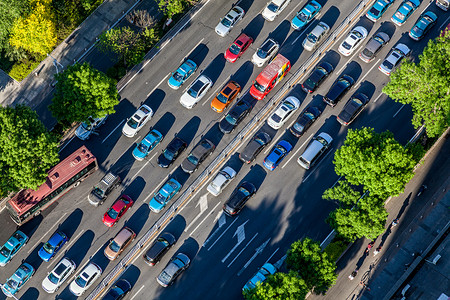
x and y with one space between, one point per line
174 83
48 286
269 14
221 29
138 154
297 22
163 161
44 254
107 219
127 130
187 100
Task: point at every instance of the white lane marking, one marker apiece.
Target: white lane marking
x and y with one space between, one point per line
154 190
240 232
271 255
220 235
444 24
48 231
336 182
67 143
112 131
426 7
295 153
137 173
137 139
193 48
398 111
56 258
203 203
303 31
162 80
137 293
348 61
242 250
152 156
212 210
316 166
258 251
378 97
367 73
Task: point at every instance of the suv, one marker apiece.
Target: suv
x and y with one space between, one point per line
101 191
119 243
315 149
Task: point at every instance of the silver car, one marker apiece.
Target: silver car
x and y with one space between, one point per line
85 279
175 267
58 275
394 58
316 36
84 131
196 91
220 182
374 46
226 23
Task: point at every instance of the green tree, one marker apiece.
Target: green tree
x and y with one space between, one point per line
376 161
280 286
171 8
27 149
10 11
425 86
83 91
344 193
312 264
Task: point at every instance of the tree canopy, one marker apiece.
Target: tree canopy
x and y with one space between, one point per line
10 12
171 8
83 91
27 149
425 86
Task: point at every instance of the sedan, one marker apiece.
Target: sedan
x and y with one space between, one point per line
353 40
266 270
196 91
236 114
394 58
274 8
85 279
58 275
200 152
147 144
182 74
137 121
119 290
227 23
221 180
16 242
305 120
173 269
378 9
404 11
338 89
265 52
238 198
117 210
238 47
229 92
276 156
315 79
87 128
171 153
254 147
160 247
423 25
163 196
305 16
374 46
283 112
313 39
18 279
54 244
353 108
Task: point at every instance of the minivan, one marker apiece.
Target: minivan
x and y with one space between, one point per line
101 191
119 243
315 149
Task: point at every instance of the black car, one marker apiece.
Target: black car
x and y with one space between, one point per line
118 291
305 120
159 248
238 198
236 114
339 88
197 156
172 151
317 76
256 144
352 109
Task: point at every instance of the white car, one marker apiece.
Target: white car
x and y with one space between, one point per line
84 131
394 58
137 121
313 39
353 40
265 52
226 23
58 275
274 8
196 91
85 279
222 179
283 112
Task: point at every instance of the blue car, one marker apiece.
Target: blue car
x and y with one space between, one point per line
266 270
404 11
12 246
305 16
378 9
182 74
18 279
423 25
50 248
147 144
163 196
277 155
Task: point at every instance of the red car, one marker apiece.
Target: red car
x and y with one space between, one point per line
117 210
238 47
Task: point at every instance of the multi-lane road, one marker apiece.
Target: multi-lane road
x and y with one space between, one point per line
224 251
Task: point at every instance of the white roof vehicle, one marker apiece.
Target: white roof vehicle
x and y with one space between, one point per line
58 275
226 23
85 279
283 112
196 91
353 40
394 58
222 179
313 39
84 131
265 52
274 8
137 121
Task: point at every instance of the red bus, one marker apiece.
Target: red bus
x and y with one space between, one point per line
27 204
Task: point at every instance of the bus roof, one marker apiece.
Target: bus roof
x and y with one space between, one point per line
272 69
57 176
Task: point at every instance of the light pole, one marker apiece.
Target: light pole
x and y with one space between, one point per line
56 63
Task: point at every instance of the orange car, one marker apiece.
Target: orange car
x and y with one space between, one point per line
225 96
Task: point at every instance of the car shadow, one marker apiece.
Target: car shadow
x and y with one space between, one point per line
243 74
215 68
33 258
154 100
254 28
71 223
354 70
137 221
280 33
79 249
214 135
199 54
99 257
134 189
331 57
331 16
189 130
31 293
180 176
164 123
256 176
123 165
234 162
176 226
387 27
131 274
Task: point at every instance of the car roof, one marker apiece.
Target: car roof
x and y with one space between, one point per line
90 270
56 238
141 112
123 235
200 148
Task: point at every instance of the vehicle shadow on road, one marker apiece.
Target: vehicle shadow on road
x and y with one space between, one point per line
164 124
31 293
280 33
79 249
154 100
243 74
123 165
137 221
189 130
71 223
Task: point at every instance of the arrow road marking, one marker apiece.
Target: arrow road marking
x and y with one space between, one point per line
240 232
242 250
258 250
280 262
216 231
203 203
199 224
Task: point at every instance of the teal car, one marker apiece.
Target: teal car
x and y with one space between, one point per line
266 270
16 242
163 196
425 22
405 10
305 16
150 141
182 74
378 9
18 279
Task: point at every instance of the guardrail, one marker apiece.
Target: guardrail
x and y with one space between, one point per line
170 213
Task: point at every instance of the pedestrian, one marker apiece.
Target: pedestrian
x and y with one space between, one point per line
364 285
395 222
377 251
353 274
369 246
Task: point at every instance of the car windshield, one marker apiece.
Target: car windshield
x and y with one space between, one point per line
244 191
299 127
273 7
388 64
98 191
374 11
86 126
195 88
399 15
48 248
235 49
168 154
5 251
165 277
343 82
312 38
132 123
112 213
357 34
192 159
259 87
143 148
160 198
309 115
357 102
114 246
222 98
367 52
80 282
226 22
177 76
346 45
279 150
261 53
12 284
322 140
260 141
302 17
173 185
276 118
230 119
53 279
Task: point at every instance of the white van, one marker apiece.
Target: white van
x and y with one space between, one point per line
315 149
